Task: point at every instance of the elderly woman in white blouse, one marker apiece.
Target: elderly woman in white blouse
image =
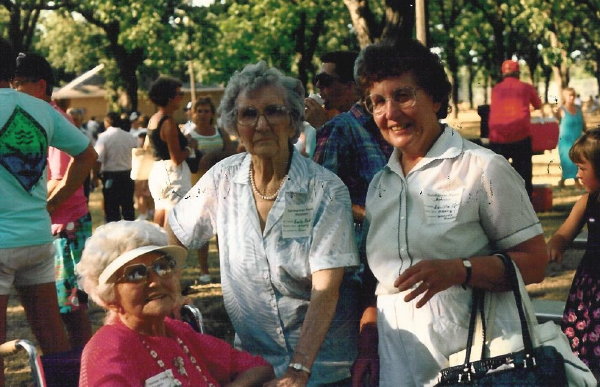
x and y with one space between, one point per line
285 235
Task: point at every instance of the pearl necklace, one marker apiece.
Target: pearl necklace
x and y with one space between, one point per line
178 362
256 191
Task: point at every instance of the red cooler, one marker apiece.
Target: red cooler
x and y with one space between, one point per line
544 134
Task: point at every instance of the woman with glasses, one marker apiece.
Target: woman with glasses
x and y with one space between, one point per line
285 235
436 215
128 269
170 177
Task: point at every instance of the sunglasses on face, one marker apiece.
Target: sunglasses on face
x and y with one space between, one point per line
403 97
274 114
136 273
325 80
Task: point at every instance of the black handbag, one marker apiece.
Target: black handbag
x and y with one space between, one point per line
541 366
194 162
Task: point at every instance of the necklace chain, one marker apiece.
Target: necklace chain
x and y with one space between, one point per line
257 192
178 362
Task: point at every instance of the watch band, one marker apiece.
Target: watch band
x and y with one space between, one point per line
469 267
299 367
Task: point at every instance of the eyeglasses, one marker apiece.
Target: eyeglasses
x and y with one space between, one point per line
404 97
324 79
137 273
274 114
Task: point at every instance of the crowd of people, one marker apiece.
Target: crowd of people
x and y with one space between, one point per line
352 225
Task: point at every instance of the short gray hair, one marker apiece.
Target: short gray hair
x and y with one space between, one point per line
254 77
105 245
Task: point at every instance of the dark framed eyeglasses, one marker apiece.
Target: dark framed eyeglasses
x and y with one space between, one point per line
403 97
325 80
163 266
274 114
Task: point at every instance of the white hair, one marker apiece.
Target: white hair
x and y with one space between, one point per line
106 244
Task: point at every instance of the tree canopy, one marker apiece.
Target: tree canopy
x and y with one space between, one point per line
138 40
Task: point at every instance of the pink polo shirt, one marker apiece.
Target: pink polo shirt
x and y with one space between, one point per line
509 110
76 205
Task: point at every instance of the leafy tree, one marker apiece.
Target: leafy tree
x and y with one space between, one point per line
286 34
135 32
22 17
445 14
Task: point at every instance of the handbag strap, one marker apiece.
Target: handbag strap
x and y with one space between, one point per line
477 308
511 275
476 324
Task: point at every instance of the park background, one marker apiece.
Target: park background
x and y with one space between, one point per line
107 52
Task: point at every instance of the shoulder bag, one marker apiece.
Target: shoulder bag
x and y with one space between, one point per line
539 355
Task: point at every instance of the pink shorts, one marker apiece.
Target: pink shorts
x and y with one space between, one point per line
26 266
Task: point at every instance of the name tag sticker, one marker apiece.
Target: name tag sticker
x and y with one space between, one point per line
163 379
442 206
297 220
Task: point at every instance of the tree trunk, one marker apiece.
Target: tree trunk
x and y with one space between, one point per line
306 47
470 75
547 78
557 70
398 21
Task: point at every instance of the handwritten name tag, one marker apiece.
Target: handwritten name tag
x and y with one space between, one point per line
297 220
442 206
163 379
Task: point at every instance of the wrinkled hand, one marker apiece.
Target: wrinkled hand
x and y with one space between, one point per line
365 370
289 379
432 276
314 113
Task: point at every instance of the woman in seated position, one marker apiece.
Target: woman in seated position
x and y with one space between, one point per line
285 235
129 270
436 214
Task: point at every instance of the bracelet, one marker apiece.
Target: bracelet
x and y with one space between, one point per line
299 367
469 268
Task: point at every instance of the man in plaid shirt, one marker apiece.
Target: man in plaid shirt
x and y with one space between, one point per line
350 144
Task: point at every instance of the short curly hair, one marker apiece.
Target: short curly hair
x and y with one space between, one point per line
254 77
106 244
385 60
163 89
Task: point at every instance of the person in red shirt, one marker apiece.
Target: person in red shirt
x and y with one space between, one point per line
509 121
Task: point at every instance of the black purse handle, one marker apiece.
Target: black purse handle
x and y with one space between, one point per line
477 306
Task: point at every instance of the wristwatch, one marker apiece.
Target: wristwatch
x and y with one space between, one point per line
299 367
467 264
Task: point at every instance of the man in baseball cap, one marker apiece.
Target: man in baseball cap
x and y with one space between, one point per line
509 121
510 66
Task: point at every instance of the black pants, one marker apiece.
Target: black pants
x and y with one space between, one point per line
520 152
117 188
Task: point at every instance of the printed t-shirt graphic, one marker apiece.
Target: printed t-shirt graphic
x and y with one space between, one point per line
23 148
